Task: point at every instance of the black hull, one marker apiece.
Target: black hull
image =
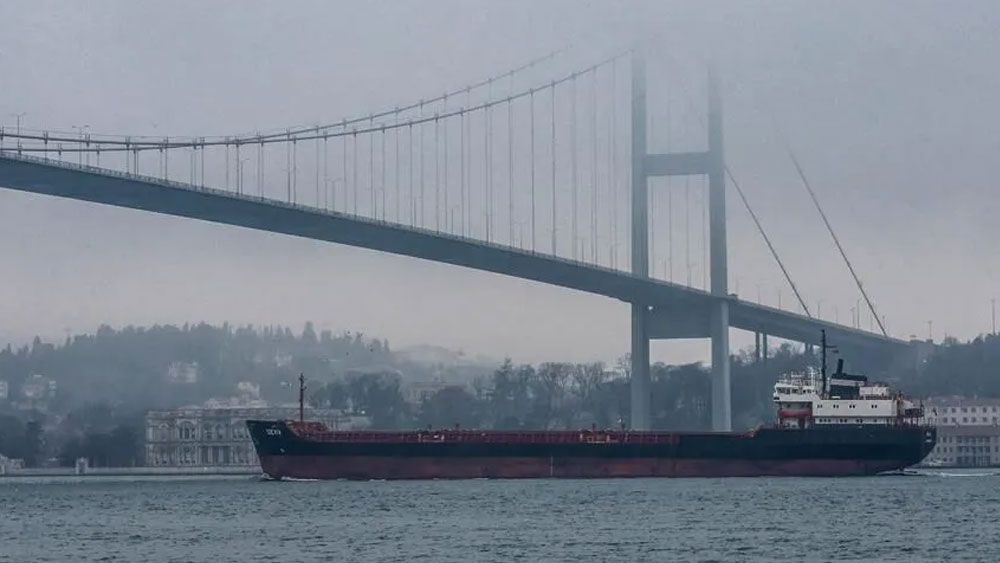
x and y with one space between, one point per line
832 451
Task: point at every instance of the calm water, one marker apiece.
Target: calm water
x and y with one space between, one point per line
914 518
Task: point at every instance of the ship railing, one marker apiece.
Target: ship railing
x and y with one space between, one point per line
320 432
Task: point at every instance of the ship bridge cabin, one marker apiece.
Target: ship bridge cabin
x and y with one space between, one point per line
850 400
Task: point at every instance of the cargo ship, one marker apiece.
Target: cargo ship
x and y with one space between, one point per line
839 426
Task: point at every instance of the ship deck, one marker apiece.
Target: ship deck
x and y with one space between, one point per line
318 432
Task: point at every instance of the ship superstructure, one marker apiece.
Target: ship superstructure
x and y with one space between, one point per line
806 399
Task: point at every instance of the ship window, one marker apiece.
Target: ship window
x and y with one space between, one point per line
964 409
965 419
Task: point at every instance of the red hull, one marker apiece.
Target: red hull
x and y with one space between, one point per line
376 467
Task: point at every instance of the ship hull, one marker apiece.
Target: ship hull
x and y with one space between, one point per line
766 452
372 467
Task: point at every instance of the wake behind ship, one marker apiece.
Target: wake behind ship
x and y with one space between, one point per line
849 427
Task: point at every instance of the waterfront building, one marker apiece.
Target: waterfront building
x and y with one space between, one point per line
216 434
8 465
968 431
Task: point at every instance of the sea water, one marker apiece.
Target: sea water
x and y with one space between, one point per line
934 517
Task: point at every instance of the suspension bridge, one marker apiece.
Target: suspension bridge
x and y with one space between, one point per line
545 178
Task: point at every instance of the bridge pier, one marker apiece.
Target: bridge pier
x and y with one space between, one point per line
718 262
639 386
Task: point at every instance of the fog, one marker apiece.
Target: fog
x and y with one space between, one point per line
890 106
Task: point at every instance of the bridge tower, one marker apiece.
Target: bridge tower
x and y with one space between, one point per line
650 320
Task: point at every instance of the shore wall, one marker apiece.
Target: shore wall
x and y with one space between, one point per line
125 471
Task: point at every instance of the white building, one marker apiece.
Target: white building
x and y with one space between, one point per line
182 372
961 411
38 387
8 465
968 431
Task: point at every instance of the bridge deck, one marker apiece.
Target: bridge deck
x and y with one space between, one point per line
109 187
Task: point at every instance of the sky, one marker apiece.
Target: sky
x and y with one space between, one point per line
890 107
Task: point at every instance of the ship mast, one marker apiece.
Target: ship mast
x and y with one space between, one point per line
822 364
823 348
302 397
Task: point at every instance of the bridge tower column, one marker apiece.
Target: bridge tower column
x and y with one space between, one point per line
718 273
709 319
640 389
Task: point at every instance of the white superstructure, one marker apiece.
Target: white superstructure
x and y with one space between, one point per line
848 400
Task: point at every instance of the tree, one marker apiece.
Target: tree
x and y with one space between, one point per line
378 395
587 382
548 390
32 447
450 406
309 335
331 395
11 436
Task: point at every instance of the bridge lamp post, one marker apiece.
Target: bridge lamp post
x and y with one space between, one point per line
18 117
80 129
239 179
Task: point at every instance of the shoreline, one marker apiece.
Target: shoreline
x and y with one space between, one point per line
247 470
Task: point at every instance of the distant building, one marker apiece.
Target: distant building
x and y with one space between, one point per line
38 387
4 390
282 360
8 465
416 392
216 435
248 389
182 372
968 431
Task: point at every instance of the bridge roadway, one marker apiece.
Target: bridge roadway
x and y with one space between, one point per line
678 311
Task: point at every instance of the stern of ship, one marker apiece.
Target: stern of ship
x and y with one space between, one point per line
928 439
